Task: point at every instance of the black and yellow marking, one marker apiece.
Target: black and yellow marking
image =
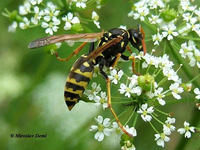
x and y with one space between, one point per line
77 81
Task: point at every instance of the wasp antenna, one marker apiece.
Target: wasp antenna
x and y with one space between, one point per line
142 31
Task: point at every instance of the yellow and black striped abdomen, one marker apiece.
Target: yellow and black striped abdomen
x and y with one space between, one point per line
77 81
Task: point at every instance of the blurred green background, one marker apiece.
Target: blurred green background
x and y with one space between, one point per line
31 93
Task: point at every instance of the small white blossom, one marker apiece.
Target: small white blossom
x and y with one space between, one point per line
197 12
50 12
12 27
34 2
101 100
25 9
128 146
186 130
168 127
38 15
170 74
117 130
197 92
154 19
164 62
186 50
25 24
161 139
95 19
80 3
176 90
95 16
186 5
132 131
157 38
194 25
126 89
70 20
156 3
158 93
92 93
51 26
115 76
145 111
141 13
102 128
169 31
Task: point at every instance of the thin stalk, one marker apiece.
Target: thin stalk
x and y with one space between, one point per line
161 111
157 119
153 127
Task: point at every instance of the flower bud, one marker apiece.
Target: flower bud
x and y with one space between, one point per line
146 82
169 15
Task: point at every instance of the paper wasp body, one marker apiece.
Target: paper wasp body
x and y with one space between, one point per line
111 46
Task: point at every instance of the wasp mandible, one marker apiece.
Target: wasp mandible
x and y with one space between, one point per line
111 46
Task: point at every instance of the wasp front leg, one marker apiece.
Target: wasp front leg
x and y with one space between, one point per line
75 52
132 58
109 102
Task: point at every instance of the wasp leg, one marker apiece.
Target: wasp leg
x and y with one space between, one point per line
91 47
114 61
75 52
129 49
109 102
133 65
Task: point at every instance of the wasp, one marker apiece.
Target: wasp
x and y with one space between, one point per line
111 46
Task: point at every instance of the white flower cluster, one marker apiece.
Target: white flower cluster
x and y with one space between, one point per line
104 127
98 96
189 50
161 66
169 74
35 13
161 138
157 13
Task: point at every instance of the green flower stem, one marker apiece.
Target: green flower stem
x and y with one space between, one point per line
148 68
164 113
130 117
121 114
154 127
157 119
197 77
164 49
149 39
162 81
156 74
189 38
139 66
64 3
135 119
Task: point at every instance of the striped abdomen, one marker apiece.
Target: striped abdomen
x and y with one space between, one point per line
78 79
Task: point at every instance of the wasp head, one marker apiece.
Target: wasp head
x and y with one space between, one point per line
137 38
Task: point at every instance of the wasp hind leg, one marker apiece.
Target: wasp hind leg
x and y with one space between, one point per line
75 52
109 102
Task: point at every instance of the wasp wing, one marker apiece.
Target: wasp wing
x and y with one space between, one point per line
85 37
102 48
